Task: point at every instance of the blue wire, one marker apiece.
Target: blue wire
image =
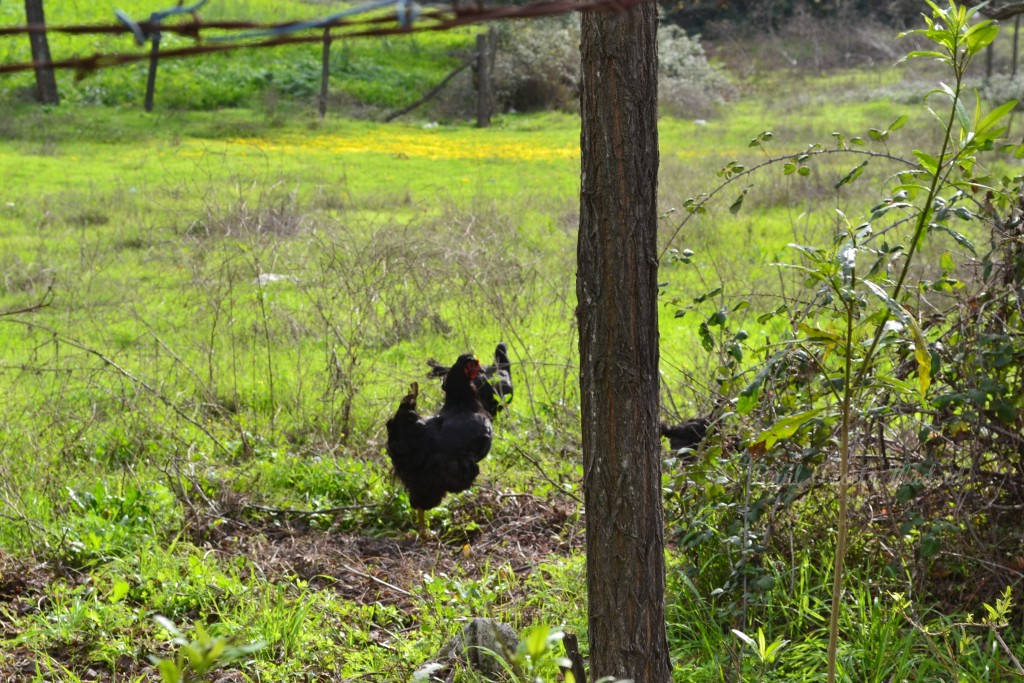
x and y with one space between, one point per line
406 11
155 18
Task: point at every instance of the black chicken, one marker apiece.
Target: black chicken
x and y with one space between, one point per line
493 383
688 434
439 455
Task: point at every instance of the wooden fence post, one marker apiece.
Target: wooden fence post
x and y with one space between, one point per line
483 81
325 71
154 58
46 80
1016 37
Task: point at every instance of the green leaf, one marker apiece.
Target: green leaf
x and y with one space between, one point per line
718 318
747 402
898 123
216 650
119 590
706 340
893 306
901 387
993 117
927 161
735 207
817 334
773 650
923 357
852 175
908 491
926 53
964 214
744 637
921 354
930 545
168 626
993 614
707 295
980 35
536 640
960 239
169 672
765 317
786 427
946 262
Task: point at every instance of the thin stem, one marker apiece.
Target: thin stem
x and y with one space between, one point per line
922 224
844 466
851 383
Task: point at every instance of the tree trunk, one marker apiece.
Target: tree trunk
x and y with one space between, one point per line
46 82
616 287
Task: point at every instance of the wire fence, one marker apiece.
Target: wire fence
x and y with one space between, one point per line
407 18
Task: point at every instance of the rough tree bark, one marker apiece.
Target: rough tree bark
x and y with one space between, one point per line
616 286
46 81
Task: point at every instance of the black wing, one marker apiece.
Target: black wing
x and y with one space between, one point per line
408 436
439 455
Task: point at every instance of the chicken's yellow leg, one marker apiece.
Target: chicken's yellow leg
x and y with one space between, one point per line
422 525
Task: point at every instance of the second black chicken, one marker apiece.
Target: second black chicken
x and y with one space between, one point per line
689 434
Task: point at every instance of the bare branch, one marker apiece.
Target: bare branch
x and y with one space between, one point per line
43 302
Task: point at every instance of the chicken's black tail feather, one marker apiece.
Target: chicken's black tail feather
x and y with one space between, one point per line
495 382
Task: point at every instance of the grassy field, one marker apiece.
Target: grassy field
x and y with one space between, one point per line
231 303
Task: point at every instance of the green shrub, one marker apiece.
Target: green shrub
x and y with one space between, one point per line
101 523
688 86
1003 88
537 65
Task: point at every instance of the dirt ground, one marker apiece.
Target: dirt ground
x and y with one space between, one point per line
517 531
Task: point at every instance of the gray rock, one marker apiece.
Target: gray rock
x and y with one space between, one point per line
484 645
